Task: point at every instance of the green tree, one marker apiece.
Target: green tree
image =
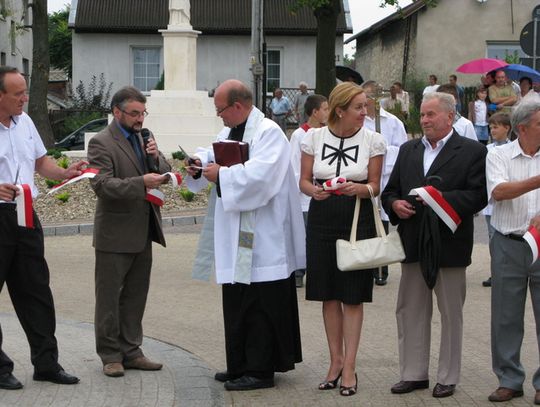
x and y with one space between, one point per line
60 41
327 12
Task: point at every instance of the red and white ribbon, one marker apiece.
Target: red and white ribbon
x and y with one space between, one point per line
87 173
332 185
25 212
155 196
175 177
532 237
433 198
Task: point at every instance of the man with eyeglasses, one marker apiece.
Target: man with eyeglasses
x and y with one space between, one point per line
125 225
254 234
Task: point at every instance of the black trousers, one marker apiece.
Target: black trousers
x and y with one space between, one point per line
382 271
262 329
24 270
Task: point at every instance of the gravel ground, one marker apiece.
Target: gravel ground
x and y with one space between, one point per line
80 206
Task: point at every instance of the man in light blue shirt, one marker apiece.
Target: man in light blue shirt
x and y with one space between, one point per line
280 108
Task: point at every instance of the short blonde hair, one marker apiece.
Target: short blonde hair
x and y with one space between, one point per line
341 97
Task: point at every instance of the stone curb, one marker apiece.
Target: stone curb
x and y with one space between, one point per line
88 228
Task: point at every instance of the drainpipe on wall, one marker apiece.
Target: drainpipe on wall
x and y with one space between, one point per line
406 47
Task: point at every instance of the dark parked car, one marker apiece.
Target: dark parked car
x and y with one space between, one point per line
75 140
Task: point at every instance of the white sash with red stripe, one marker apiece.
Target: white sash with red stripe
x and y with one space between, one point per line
532 237
157 197
433 198
333 184
25 212
87 173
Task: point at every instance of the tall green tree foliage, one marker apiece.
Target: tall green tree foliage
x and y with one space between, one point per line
60 41
327 12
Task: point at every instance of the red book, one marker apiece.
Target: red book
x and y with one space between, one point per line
229 152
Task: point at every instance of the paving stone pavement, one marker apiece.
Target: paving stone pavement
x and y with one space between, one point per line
184 318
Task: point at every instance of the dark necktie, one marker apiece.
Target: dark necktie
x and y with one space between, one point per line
134 141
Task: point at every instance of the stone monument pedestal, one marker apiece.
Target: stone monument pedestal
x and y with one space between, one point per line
180 114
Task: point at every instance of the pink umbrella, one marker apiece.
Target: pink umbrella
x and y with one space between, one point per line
481 65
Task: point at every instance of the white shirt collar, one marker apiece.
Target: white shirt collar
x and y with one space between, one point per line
440 143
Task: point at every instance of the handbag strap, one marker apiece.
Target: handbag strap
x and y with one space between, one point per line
377 217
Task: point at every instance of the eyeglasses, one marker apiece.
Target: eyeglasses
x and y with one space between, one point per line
219 111
135 113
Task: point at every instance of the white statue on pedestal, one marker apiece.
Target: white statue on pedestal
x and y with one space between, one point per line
179 13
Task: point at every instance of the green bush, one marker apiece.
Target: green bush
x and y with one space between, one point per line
63 162
178 155
51 182
413 122
63 197
187 195
55 153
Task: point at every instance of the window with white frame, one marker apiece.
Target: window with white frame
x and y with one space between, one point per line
146 68
502 49
273 69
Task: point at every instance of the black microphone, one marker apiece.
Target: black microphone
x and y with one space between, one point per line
150 160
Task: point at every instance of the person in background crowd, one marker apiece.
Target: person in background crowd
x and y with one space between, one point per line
299 102
478 115
500 127
527 93
393 131
316 108
501 93
403 96
280 109
432 87
452 80
462 125
513 185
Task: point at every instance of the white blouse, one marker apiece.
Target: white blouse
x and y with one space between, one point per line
346 157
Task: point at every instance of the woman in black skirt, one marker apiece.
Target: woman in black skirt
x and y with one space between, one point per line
342 149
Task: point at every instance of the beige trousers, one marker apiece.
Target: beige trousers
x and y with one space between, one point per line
413 313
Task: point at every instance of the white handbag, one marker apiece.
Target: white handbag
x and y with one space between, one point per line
369 253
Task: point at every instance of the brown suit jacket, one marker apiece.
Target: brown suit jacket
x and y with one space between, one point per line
122 216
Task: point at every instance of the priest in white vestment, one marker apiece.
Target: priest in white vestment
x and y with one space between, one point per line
258 241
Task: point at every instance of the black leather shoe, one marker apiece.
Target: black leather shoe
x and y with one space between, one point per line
486 283
248 383
380 281
443 390
225 376
9 382
60 377
408 386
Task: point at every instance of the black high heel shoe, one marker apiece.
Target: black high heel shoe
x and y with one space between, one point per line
349 391
330 384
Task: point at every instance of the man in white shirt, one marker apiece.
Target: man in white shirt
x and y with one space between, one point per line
258 241
22 263
462 125
433 86
393 131
513 184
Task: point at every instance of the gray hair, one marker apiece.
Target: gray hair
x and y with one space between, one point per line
447 101
3 71
125 95
523 113
303 84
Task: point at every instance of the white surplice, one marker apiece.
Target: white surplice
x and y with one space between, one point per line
266 185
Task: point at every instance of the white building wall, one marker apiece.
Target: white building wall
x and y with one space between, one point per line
23 37
219 57
110 54
456 31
